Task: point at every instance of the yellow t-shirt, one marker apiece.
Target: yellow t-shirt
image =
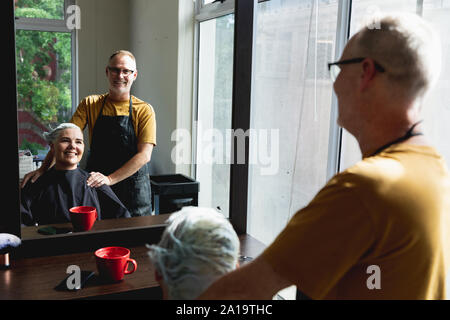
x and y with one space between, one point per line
143 115
390 211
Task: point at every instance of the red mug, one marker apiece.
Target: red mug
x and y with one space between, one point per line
83 218
113 262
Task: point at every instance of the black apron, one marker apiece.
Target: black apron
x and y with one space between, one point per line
114 142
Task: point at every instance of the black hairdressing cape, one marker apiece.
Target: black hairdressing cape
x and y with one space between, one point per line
48 199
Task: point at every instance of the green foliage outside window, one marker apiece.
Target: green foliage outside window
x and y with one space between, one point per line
49 98
32 146
47 9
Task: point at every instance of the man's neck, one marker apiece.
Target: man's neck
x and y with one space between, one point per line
371 140
114 96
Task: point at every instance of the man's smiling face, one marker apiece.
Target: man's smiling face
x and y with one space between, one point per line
121 73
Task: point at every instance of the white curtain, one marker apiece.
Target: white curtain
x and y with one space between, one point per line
291 106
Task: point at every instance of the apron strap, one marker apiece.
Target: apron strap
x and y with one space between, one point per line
130 115
407 135
103 104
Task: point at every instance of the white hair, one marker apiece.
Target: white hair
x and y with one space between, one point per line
406 46
53 135
197 247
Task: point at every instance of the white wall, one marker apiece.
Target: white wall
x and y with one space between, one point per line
185 75
104 29
154 39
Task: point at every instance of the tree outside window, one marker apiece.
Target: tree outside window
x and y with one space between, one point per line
44 61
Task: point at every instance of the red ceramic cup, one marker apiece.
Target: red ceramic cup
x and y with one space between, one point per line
112 263
83 218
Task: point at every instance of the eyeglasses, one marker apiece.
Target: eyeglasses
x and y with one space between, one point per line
118 71
335 69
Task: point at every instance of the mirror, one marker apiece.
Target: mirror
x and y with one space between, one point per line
59 62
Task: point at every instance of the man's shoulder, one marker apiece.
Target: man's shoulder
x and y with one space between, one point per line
366 173
93 99
141 105
379 172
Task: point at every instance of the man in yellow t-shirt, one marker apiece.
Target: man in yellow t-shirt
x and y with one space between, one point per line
122 134
144 125
378 230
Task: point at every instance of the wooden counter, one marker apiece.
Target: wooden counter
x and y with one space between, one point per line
106 225
126 232
36 278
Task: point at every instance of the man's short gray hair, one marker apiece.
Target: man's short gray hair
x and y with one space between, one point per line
122 53
197 247
53 135
406 46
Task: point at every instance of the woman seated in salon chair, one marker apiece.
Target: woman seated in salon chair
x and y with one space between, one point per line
62 187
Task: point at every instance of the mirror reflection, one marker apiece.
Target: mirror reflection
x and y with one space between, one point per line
69 69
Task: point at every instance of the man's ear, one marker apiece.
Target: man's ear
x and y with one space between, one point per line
368 72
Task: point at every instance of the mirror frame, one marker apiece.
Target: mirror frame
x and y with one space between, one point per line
10 223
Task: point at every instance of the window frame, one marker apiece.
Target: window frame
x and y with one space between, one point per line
10 223
336 132
213 10
241 95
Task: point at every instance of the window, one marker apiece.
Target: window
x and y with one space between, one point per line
45 77
215 70
291 106
437 105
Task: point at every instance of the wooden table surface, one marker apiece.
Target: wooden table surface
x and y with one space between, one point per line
36 278
99 226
